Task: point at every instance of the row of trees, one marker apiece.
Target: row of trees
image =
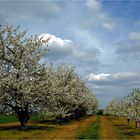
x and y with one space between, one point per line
26 85
128 107
66 93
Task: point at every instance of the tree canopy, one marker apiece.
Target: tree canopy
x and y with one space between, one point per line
27 85
128 107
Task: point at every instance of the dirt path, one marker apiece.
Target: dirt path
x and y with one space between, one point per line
106 130
71 131
9 124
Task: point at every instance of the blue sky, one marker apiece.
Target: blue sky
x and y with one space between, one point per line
100 37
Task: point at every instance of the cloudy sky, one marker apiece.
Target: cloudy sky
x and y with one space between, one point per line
100 37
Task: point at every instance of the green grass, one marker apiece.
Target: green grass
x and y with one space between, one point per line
92 132
13 118
35 117
7 118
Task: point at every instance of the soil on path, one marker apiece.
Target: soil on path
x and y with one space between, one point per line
72 130
106 129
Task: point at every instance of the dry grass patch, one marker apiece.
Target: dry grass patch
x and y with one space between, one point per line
107 130
71 131
125 131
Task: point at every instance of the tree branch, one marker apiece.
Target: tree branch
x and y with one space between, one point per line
9 105
7 60
3 46
10 50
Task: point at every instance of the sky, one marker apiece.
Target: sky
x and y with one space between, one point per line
100 37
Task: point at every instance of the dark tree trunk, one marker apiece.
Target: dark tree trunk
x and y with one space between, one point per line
22 113
128 120
23 116
23 125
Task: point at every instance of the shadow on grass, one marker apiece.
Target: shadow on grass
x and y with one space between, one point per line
48 121
29 128
122 126
131 133
57 122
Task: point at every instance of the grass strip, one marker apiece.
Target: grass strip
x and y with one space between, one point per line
13 118
7 118
92 132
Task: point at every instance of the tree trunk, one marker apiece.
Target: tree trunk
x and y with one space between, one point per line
22 113
23 125
128 120
136 124
23 116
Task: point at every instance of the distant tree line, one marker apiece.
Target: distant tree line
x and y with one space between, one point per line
128 107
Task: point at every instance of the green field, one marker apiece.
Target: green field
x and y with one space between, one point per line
7 118
13 118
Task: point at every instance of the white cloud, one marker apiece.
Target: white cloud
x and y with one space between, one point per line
58 47
134 36
123 75
62 43
67 52
108 25
100 17
102 76
108 86
107 79
93 4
